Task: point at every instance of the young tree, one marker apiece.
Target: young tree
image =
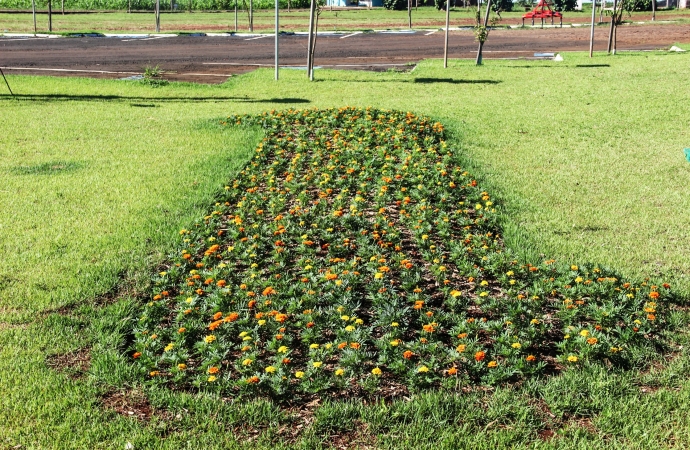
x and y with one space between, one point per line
482 32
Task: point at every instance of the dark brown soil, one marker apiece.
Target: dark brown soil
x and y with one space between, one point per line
215 59
75 364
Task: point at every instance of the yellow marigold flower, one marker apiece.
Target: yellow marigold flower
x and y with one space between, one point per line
270 369
461 348
182 366
212 378
378 275
534 321
282 349
484 283
262 322
455 293
314 346
516 345
299 374
359 321
492 364
395 342
510 273
169 347
376 371
247 362
584 333
243 334
483 294
349 328
578 280
345 318
317 364
572 358
339 372
423 369
395 324
573 267
512 282
210 338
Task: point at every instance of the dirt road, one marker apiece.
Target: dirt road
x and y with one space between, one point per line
212 59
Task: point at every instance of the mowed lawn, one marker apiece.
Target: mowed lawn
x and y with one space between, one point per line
585 157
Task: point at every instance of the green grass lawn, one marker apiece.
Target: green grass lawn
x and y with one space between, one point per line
98 177
296 20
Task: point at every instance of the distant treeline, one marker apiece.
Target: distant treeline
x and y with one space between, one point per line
148 5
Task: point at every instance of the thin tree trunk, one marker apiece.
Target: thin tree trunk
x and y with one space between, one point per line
481 43
653 9
251 16
311 38
409 13
158 16
613 24
445 45
33 8
50 15
63 7
313 43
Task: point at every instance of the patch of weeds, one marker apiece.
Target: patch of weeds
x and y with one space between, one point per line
75 364
152 77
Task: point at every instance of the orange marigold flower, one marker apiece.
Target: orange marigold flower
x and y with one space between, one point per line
213 370
531 358
286 360
268 291
355 345
342 345
492 364
408 354
452 371
251 304
215 325
310 324
592 341
331 276
136 355
654 295
651 316
281 317
419 304
221 283
429 328
231 317
217 315
253 380
479 356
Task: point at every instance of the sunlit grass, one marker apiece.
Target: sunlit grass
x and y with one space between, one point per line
94 189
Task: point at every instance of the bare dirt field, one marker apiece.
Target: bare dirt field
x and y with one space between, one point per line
213 59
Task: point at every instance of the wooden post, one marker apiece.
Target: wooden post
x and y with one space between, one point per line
312 10
486 23
50 15
63 7
33 7
277 33
591 33
235 16
158 16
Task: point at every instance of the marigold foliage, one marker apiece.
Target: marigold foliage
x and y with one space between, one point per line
354 248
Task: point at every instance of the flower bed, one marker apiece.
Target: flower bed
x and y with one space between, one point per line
354 253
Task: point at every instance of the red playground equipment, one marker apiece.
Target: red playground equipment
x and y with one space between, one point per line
542 11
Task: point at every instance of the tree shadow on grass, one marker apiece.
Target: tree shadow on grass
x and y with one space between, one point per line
422 81
121 98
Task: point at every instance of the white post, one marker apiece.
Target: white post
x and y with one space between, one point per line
591 33
158 16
